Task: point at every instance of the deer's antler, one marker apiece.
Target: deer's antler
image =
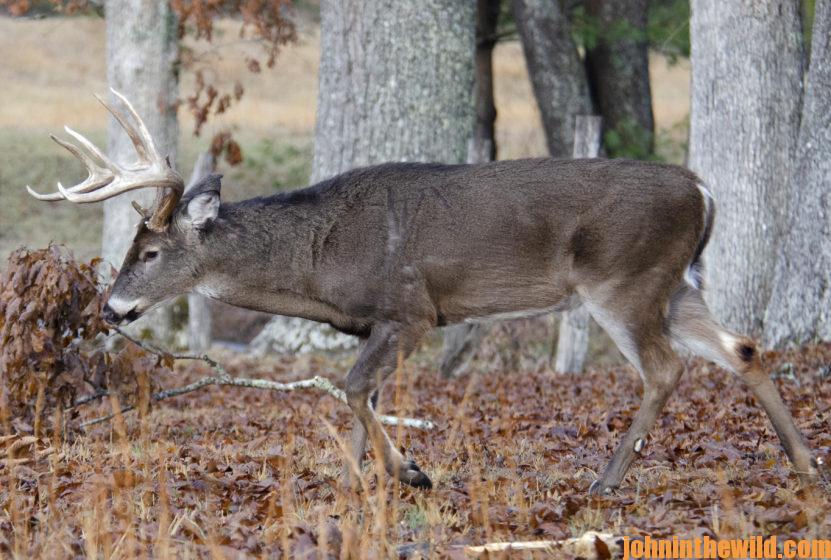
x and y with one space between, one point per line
107 179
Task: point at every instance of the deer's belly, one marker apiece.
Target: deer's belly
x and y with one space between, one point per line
566 304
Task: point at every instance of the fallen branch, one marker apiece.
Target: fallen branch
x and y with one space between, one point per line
16 450
224 378
590 545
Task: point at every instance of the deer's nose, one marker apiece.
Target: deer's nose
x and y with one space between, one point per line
110 315
119 312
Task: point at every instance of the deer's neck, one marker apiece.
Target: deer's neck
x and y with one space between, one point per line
261 257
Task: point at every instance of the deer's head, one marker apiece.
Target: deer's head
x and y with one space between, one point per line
161 261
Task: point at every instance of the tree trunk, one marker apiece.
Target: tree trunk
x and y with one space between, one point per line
573 342
746 99
460 342
396 80
142 53
199 313
396 83
800 305
618 71
557 73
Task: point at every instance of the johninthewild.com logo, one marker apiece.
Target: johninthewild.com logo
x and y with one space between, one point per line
706 547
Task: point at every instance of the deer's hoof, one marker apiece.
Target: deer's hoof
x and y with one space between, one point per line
816 477
598 488
412 476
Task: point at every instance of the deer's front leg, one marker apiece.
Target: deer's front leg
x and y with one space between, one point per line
358 445
377 360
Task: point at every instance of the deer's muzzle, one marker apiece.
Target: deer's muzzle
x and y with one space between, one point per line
113 317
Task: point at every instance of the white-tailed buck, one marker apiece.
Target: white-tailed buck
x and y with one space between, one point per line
388 252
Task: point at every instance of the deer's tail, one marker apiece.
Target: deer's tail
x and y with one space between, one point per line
695 271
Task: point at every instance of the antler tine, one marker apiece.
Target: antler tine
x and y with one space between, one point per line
108 191
97 176
107 179
97 195
92 148
139 135
51 197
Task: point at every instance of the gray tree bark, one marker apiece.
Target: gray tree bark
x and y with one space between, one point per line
618 71
746 99
573 340
799 310
556 71
396 80
396 84
199 313
142 54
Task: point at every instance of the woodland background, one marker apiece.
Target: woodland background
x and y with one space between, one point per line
235 472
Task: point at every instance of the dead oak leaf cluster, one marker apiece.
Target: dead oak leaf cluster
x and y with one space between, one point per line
50 343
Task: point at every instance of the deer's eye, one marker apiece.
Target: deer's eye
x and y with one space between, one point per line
149 256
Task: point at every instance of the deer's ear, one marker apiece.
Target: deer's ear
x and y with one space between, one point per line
201 202
202 208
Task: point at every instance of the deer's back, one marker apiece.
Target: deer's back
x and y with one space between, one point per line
477 239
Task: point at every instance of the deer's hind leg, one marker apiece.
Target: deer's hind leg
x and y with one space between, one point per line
692 326
638 331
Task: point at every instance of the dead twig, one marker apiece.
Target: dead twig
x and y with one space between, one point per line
20 450
225 378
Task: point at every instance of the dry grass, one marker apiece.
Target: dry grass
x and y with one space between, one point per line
234 473
58 63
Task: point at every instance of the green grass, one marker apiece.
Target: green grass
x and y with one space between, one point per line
279 164
30 157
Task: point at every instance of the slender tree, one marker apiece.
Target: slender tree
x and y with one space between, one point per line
800 305
617 64
142 52
555 68
199 312
561 88
483 147
746 100
573 339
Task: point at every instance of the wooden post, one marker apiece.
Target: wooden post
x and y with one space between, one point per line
573 340
199 314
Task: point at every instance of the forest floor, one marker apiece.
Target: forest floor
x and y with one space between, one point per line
236 473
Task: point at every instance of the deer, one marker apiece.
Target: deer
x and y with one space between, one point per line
390 251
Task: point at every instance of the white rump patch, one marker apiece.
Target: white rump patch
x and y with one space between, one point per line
694 274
